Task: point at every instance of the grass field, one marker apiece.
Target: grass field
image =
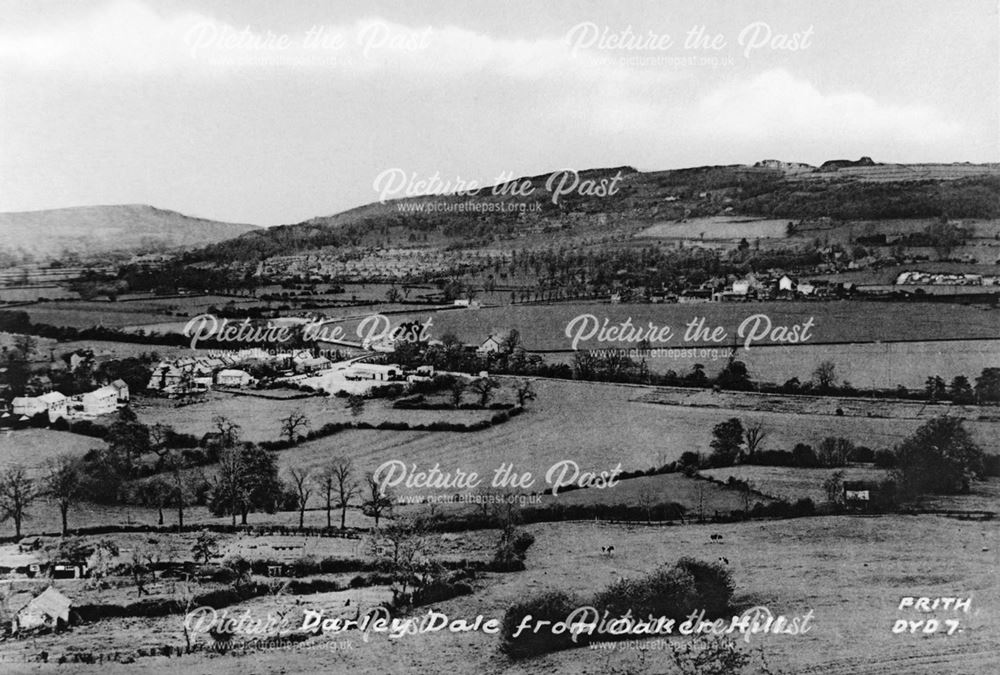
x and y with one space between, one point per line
790 483
718 227
597 426
866 565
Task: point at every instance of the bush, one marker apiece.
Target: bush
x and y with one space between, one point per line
553 606
668 591
712 582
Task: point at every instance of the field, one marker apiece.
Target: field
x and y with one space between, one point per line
597 426
790 483
543 327
719 227
866 565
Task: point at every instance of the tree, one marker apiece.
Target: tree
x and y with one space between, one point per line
300 482
457 389
247 480
834 488
392 295
229 431
376 503
62 484
524 392
158 491
726 441
825 375
734 376
398 548
356 404
336 482
484 388
988 386
834 451
961 391
939 457
935 388
754 436
128 440
291 424
17 492
206 547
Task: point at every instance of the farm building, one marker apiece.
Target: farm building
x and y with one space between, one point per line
867 495
373 371
232 377
48 609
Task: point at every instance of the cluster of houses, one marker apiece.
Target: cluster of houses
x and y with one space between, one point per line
914 277
753 287
101 401
193 374
388 264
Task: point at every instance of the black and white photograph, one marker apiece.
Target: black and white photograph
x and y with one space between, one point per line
441 336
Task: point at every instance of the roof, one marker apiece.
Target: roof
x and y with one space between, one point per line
52 397
231 372
119 384
50 602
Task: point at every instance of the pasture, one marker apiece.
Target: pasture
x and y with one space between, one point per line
718 227
597 426
867 565
792 483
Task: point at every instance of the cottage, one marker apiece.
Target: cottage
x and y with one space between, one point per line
491 345
48 609
786 283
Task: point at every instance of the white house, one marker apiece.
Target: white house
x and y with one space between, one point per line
373 371
232 377
805 288
123 392
100 401
53 402
786 283
50 608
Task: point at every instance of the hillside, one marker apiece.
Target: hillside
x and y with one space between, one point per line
88 230
842 190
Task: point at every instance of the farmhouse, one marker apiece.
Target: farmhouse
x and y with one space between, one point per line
866 495
48 609
98 402
232 377
53 402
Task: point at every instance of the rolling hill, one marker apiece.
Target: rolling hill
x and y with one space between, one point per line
90 230
842 190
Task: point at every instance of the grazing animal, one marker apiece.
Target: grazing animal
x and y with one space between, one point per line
716 537
608 550
724 561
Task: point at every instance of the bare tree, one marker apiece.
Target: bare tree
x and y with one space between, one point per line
339 488
825 375
17 492
457 389
754 435
300 479
62 484
525 392
376 504
291 424
399 548
484 388
229 431
646 499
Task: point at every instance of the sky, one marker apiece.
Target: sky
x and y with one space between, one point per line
270 113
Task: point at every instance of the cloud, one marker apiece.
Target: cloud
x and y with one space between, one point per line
775 106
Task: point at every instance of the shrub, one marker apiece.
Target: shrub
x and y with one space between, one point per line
712 582
553 606
885 459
